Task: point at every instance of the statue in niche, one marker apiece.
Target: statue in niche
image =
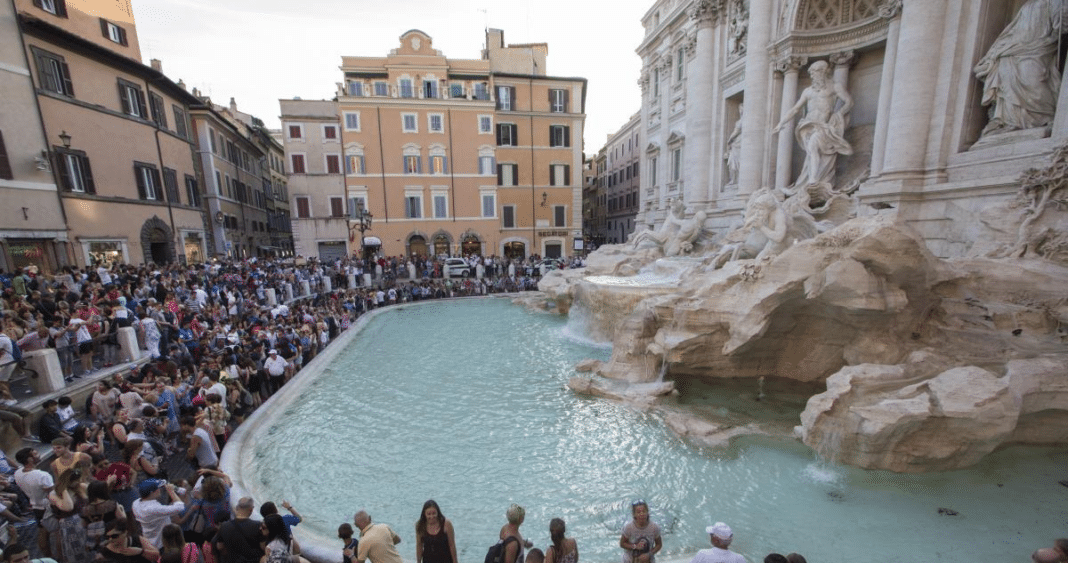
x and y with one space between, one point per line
733 155
739 29
821 132
1019 71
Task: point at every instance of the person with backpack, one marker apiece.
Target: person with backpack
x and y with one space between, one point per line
280 546
511 542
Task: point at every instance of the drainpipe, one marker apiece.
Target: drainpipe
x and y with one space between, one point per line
533 191
382 163
163 188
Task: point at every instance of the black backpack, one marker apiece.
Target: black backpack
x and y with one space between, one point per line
497 550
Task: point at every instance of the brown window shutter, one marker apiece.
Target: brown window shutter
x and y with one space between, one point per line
64 172
550 99
567 104
5 163
87 175
122 37
511 90
61 8
104 28
124 97
552 174
567 135
37 3
499 126
567 174
68 85
141 188
500 174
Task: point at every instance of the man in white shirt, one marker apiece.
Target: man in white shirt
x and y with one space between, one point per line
721 536
36 484
151 513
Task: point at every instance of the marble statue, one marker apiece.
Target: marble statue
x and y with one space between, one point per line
733 155
667 231
821 131
689 231
763 233
1019 71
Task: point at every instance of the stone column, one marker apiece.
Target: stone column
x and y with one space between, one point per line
49 375
1060 118
699 102
890 11
128 346
352 281
755 120
790 67
272 297
916 77
842 61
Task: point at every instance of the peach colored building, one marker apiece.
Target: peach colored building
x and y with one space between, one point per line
463 156
128 181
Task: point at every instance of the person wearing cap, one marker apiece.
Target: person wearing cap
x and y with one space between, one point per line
151 513
641 536
276 369
720 535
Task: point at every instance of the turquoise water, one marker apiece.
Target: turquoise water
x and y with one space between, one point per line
466 403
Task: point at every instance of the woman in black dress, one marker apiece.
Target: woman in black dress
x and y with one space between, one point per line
435 541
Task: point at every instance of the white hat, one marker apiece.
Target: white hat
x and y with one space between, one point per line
272 352
720 530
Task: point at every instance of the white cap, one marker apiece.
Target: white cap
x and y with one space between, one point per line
720 530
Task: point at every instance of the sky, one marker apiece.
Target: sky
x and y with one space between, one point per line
260 51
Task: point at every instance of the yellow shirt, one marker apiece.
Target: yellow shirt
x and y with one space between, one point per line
377 544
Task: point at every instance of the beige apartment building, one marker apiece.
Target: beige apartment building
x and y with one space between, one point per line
461 156
32 229
311 135
121 147
619 180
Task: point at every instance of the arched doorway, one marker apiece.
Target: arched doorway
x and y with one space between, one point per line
470 244
417 246
442 244
156 241
515 250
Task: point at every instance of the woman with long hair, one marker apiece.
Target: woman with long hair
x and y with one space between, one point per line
435 541
98 512
563 549
139 464
214 501
279 543
174 542
123 545
67 500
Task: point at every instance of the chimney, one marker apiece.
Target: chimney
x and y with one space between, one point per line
157 65
181 84
233 104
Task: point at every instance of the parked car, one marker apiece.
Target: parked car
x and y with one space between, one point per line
457 267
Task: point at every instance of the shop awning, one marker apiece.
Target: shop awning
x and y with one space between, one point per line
372 241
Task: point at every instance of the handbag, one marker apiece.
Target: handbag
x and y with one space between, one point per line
199 522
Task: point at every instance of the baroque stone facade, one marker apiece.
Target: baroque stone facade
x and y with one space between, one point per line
933 111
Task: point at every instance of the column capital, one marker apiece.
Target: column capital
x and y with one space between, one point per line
843 58
890 9
643 81
706 13
790 64
690 44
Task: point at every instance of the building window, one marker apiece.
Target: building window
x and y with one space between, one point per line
333 164
133 99
489 205
354 164
481 91
652 171
356 88
406 88
55 7
559 215
303 207
676 164
441 206
559 136
430 89
435 122
486 165
507 134
170 184
558 101
180 125
508 216
356 204
5 162
296 131
656 83
381 89
680 65
507 174
148 183
192 191
159 115
456 90
75 175
337 206
506 98
412 164
296 164
352 121
330 132
559 175
438 165
413 206
113 32
410 125
485 124
53 74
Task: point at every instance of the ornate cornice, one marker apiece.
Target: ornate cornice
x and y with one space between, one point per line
890 9
707 13
843 58
790 64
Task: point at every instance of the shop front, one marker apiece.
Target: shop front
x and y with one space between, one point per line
31 253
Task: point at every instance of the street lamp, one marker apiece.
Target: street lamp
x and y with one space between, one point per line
364 217
44 162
